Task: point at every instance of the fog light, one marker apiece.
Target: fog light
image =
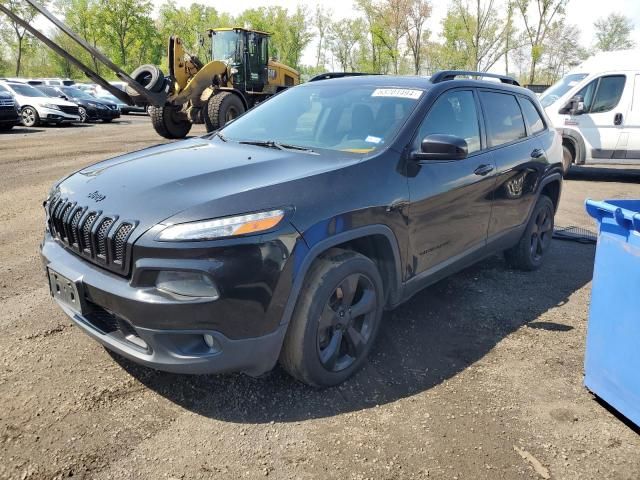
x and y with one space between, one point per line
213 344
188 284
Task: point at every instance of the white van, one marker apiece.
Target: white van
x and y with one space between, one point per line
596 109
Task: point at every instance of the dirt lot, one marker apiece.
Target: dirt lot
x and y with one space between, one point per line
469 380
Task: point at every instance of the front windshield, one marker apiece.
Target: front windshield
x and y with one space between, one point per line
27 90
558 89
328 116
76 93
225 45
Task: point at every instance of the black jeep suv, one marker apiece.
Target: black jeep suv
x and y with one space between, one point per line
286 234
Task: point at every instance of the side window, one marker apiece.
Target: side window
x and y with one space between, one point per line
503 117
602 94
608 93
532 116
454 113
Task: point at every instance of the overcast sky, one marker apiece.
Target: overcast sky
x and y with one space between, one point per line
580 12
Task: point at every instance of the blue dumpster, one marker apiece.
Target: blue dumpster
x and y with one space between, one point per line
612 359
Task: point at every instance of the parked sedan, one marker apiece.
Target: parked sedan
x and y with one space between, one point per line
89 107
36 107
8 111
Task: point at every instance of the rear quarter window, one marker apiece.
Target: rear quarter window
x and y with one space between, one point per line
503 117
532 116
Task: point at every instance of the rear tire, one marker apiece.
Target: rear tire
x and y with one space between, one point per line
222 107
335 321
529 253
169 122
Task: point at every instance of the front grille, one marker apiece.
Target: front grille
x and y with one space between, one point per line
71 110
99 238
6 103
112 324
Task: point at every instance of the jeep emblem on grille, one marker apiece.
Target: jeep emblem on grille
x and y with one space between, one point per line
97 196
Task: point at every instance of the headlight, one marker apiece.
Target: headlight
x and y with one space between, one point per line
92 105
222 227
51 106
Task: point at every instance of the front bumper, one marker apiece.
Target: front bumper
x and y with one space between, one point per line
154 329
103 113
57 116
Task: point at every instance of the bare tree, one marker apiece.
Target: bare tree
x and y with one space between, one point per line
322 23
537 25
418 12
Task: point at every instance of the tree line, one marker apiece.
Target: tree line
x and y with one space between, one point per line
533 40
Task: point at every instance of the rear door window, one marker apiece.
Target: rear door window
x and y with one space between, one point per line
503 116
532 116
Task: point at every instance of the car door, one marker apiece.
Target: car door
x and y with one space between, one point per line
601 120
631 123
450 200
519 158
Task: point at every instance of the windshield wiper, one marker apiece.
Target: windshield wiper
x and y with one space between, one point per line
276 145
216 134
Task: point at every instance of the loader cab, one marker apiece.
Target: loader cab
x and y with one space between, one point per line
246 52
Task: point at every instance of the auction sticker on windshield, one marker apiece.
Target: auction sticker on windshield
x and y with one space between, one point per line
397 92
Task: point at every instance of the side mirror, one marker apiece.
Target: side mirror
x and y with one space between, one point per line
575 106
64 97
442 147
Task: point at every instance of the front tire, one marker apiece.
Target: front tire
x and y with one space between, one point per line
529 253
335 321
30 117
567 159
169 122
84 117
222 107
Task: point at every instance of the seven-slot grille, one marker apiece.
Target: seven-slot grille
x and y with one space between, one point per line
71 110
90 233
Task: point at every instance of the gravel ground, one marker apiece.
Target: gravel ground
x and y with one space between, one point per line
477 377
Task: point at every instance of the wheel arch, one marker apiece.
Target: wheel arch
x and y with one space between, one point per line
376 242
551 186
573 138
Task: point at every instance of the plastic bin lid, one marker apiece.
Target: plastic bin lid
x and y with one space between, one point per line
625 213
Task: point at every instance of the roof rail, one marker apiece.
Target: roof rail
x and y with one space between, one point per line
329 75
444 75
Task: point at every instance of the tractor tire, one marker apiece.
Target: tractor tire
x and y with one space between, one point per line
169 122
221 108
150 77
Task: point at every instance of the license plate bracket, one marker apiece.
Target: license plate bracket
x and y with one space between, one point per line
65 291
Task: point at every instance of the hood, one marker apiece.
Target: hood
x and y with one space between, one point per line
154 184
44 99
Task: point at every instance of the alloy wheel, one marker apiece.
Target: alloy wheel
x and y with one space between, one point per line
541 233
28 117
347 322
83 115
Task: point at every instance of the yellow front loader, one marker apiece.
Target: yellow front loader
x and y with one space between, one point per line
239 75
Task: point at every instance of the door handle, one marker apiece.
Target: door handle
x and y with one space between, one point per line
537 153
482 170
617 119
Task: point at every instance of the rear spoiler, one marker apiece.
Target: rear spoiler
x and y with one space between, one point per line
155 99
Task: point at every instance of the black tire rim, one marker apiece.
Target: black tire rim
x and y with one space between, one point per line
232 113
541 233
28 117
83 115
346 323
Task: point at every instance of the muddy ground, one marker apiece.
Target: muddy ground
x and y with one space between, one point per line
478 377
